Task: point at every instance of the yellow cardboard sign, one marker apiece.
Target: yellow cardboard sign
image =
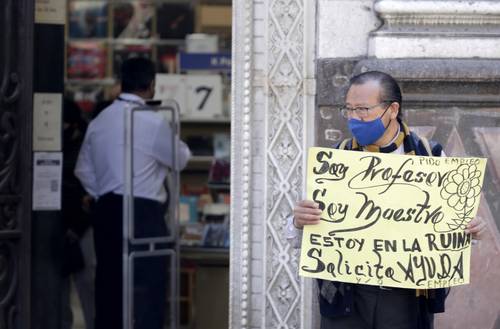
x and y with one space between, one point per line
391 220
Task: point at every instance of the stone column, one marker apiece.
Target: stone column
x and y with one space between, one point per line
273 104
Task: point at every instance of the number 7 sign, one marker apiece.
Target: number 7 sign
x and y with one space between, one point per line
199 96
204 96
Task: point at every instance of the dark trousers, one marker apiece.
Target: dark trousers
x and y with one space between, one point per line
376 308
150 274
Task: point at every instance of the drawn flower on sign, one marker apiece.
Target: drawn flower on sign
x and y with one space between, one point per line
460 190
462 187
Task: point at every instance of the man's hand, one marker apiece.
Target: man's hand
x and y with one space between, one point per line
306 212
476 227
86 202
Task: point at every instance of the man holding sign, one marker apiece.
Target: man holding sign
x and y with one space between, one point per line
385 233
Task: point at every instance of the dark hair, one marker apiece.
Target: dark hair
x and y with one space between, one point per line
137 74
389 88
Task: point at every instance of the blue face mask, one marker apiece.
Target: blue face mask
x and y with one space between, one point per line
367 132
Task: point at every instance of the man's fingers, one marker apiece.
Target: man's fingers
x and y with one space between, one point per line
301 222
306 211
307 217
475 225
307 204
477 228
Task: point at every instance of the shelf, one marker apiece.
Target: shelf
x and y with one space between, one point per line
201 159
204 162
219 186
132 41
83 39
153 1
207 121
90 82
199 162
205 255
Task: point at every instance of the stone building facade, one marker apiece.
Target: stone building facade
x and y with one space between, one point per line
292 62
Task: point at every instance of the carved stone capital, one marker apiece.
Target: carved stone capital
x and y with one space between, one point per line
430 29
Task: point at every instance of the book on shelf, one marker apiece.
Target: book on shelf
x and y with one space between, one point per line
222 146
225 198
167 58
188 209
86 60
133 19
204 199
191 234
215 212
219 173
200 145
174 20
87 19
216 219
216 235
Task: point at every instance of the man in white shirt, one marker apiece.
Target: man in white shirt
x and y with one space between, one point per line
100 168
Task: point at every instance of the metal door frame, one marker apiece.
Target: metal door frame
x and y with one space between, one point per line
16 103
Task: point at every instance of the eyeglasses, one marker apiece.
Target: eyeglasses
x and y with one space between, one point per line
361 111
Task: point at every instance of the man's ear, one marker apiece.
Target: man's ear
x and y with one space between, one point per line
152 88
394 110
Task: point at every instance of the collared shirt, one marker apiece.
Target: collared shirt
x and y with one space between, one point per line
100 165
